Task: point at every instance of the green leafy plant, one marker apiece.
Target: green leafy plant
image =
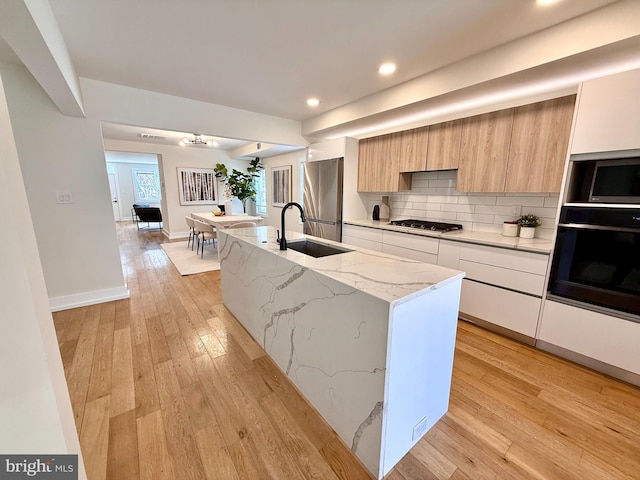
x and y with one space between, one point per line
240 184
529 220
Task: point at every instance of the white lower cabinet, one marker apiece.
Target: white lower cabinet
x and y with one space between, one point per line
363 237
511 310
415 247
502 286
608 339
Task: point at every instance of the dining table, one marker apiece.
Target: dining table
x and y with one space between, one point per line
225 221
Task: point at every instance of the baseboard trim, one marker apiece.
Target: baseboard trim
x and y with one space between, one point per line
602 367
520 337
88 298
176 235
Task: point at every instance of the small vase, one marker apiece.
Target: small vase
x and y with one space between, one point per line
509 229
527 232
228 208
385 211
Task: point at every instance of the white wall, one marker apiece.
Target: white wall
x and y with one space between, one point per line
292 216
433 197
125 166
77 242
354 203
131 106
171 157
35 409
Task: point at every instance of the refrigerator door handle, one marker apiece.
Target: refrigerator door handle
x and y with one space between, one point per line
325 222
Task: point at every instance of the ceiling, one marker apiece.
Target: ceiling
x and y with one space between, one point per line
269 56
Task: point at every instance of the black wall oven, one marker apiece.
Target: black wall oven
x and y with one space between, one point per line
597 257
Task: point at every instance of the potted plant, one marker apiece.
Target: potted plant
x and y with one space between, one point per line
240 184
528 224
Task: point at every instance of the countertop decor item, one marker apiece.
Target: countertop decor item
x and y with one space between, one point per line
528 224
376 212
510 229
240 184
385 210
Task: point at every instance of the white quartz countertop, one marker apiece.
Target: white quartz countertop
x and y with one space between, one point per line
387 277
535 245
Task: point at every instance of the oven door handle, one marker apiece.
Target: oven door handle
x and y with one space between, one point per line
582 226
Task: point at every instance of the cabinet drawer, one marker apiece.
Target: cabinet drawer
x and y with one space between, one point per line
504 277
362 243
595 335
413 242
409 253
365 233
515 311
502 257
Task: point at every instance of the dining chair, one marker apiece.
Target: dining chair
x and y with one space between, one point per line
192 231
242 225
205 232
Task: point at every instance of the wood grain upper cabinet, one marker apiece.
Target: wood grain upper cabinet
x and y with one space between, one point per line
484 152
412 149
539 144
378 167
443 152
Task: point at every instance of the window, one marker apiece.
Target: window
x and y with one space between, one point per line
261 196
147 186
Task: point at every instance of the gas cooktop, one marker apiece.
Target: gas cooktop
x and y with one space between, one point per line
425 225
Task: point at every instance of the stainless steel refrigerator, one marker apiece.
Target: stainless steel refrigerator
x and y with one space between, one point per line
322 199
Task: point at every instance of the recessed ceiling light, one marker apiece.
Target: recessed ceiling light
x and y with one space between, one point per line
546 2
313 102
387 69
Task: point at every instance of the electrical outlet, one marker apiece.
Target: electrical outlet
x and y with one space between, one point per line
64 197
419 430
516 210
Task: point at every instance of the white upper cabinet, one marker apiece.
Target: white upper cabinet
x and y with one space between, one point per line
608 116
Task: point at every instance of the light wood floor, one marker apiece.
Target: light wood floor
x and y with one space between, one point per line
167 385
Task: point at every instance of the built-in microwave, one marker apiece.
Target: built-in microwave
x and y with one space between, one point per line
616 181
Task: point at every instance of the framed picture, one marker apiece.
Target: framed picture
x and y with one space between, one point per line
281 191
197 186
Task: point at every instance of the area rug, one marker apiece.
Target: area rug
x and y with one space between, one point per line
186 260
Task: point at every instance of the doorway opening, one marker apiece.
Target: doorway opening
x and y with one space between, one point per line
134 179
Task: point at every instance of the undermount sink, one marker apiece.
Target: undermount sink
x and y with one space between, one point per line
315 249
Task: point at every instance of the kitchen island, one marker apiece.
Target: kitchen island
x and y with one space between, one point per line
368 338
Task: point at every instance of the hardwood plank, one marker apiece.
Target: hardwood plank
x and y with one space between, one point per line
318 431
437 463
412 469
278 461
216 459
157 342
146 394
179 434
343 463
155 463
185 370
240 335
94 437
68 351
79 372
122 382
198 407
122 458
309 460
247 462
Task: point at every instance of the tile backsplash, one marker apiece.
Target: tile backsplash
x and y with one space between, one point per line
433 197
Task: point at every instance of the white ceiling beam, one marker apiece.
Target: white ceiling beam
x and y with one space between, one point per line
251 150
30 28
607 26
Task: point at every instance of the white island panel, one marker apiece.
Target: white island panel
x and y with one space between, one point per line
329 324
